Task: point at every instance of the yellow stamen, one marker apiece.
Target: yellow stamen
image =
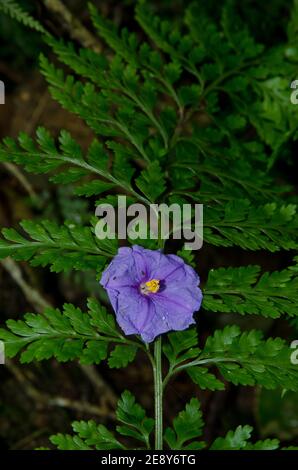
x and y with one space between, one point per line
152 286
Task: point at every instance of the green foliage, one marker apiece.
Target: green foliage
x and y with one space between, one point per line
241 358
243 290
134 421
182 345
246 359
199 113
68 335
67 163
122 355
293 27
89 435
151 181
62 247
139 97
15 11
187 426
269 227
19 46
239 440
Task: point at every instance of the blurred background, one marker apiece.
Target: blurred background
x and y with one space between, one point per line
42 399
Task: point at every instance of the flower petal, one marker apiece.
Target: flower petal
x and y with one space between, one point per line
149 315
178 305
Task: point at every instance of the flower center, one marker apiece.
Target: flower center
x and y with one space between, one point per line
150 287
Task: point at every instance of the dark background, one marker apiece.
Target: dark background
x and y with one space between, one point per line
42 399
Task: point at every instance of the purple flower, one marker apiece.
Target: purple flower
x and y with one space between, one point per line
151 293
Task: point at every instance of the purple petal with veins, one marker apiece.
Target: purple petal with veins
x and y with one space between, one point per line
151 293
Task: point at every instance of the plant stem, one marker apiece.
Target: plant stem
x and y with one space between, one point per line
157 372
158 395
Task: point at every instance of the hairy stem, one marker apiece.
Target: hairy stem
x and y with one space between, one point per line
158 395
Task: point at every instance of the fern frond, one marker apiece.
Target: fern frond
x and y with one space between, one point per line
244 290
270 227
15 11
62 247
67 162
187 426
68 335
89 436
246 359
239 440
